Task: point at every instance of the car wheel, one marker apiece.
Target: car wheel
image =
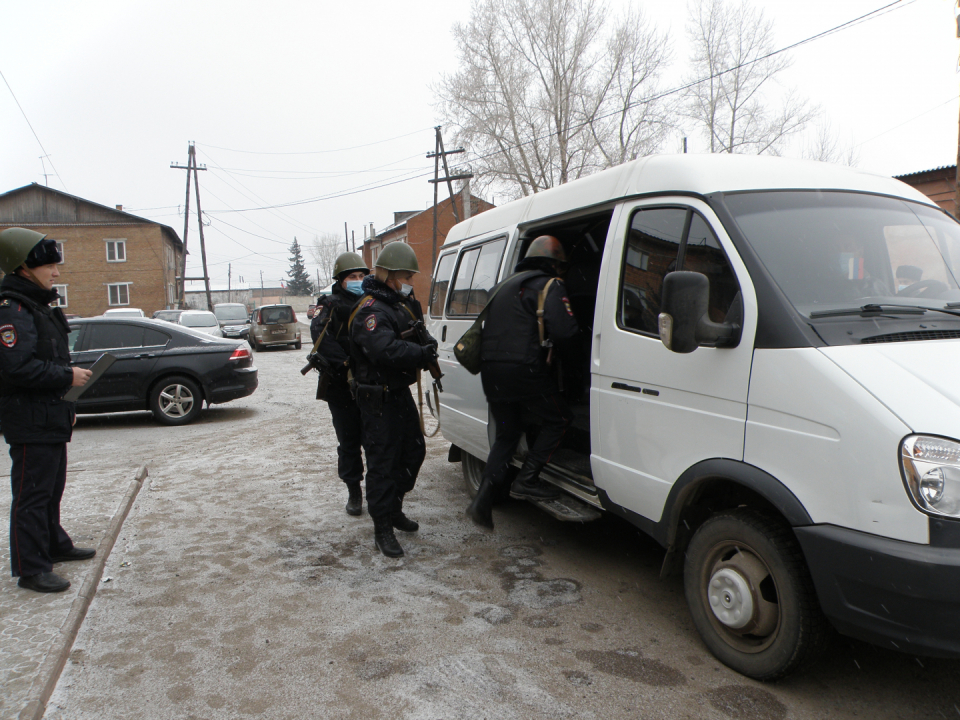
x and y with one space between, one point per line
297 345
751 596
473 474
176 400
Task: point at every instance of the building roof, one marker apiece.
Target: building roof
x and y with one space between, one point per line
944 171
400 219
122 218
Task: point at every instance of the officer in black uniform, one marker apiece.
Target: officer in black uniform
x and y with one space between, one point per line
37 423
330 320
385 365
519 374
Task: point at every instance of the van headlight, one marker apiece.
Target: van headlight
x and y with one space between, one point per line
931 471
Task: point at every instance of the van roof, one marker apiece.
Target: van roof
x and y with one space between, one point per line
682 174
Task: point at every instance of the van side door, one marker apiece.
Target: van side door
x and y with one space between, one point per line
655 412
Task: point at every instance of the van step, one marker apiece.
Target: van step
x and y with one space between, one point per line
568 509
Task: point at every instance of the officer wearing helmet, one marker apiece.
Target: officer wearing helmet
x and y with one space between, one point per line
385 365
520 375
37 423
330 322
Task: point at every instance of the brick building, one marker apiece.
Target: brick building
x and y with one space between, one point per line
939 184
110 258
416 229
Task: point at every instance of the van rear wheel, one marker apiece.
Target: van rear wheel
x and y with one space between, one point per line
473 474
751 596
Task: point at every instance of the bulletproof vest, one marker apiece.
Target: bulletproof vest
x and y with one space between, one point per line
368 373
510 333
52 333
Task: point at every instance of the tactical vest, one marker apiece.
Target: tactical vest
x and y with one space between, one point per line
52 333
511 334
368 373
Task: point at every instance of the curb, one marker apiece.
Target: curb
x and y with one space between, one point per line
49 673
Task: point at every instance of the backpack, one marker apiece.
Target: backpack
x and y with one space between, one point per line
467 349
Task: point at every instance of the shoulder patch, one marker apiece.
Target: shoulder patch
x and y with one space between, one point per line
8 335
5 303
566 304
369 302
371 322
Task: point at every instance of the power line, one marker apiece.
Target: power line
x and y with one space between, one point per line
30 125
319 152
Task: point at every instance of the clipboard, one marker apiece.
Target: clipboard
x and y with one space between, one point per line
98 368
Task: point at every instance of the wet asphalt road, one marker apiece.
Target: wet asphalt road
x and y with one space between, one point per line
239 587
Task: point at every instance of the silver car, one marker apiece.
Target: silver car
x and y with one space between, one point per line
201 320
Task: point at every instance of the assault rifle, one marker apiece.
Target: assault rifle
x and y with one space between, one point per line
418 334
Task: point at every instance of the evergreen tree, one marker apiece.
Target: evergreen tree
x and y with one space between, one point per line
300 283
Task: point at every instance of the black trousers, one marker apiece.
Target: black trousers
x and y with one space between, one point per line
395 451
349 427
553 416
37 479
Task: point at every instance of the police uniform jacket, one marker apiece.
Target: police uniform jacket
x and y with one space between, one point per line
513 363
335 309
35 368
380 355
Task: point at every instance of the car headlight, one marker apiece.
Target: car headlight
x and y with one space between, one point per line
931 471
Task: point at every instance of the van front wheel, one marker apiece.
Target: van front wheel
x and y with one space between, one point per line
751 596
472 473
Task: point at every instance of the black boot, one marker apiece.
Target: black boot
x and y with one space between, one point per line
401 521
529 486
481 509
355 501
385 539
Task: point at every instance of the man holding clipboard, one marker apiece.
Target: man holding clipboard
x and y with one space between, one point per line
36 420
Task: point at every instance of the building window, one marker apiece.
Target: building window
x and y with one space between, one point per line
116 250
62 292
118 293
63 256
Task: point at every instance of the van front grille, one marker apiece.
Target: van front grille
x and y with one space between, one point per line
912 336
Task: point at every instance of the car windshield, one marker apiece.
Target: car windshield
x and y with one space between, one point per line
231 314
198 320
835 252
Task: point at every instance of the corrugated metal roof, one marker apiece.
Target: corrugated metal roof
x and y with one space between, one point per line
952 168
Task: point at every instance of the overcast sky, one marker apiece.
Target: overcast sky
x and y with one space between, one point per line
296 100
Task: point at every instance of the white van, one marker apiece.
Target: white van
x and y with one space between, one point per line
797 451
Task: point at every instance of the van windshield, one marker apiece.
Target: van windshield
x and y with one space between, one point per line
837 251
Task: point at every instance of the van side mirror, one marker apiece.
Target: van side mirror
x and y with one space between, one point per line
684 322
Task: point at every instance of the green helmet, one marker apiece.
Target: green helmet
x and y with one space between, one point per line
398 256
547 246
347 263
15 244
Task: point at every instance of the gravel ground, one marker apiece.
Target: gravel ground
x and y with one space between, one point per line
239 587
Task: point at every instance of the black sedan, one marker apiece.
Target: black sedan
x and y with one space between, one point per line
167 369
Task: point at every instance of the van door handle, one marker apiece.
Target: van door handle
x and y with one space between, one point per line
145 355
443 334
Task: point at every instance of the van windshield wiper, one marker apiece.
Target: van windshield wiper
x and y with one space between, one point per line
875 309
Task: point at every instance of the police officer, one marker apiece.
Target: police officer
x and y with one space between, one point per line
519 374
330 320
35 373
385 365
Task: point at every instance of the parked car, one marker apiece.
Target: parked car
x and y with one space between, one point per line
274 325
124 312
763 385
168 315
201 320
167 369
234 319
311 309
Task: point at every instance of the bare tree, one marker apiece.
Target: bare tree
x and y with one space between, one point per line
735 77
824 145
551 90
324 250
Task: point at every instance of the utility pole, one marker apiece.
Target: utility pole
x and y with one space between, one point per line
229 268
439 154
191 166
261 287
346 238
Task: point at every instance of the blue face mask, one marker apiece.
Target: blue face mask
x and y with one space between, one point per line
354 286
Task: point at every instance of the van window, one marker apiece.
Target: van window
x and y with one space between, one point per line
703 254
652 247
275 315
438 293
476 276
